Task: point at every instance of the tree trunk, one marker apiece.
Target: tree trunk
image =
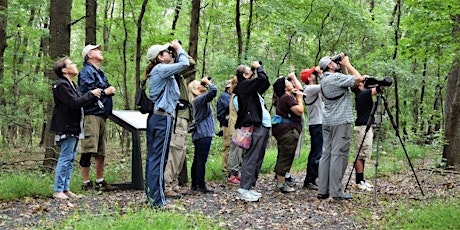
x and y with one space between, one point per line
139 44
248 28
194 30
59 46
90 25
395 55
238 29
3 26
452 131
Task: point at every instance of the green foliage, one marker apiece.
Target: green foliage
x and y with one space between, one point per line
143 219
426 214
24 184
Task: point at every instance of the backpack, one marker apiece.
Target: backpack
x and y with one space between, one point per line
143 103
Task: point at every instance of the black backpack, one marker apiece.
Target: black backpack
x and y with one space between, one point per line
143 103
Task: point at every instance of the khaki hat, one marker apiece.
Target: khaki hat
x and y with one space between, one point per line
154 50
88 49
228 84
323 62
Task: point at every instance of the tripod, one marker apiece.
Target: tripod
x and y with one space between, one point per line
377 107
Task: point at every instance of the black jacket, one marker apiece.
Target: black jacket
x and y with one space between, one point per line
249 107
67 107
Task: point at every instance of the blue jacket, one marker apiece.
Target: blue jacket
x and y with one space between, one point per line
223 108
91 78
163 88
205 126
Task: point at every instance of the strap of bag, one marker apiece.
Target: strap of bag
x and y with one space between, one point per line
312 101
331 99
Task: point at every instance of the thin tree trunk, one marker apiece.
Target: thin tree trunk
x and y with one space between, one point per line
139 44
248 27
194 30
395 55
90 25
238 29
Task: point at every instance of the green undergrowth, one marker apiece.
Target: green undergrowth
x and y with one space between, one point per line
142 219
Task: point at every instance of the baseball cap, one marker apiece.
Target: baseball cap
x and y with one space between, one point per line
154 50
88 49
305 74
228 83
323 62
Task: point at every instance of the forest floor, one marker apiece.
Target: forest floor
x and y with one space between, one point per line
299 210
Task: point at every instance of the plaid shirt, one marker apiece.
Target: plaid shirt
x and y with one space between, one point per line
337 112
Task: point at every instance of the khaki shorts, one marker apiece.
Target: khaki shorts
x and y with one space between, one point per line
366 149
95 135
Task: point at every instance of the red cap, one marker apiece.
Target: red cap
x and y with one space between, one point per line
305 74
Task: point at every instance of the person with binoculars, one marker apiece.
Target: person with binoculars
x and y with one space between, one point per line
164 93
287 126
337 120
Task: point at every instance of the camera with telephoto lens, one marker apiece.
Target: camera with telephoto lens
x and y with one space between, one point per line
371 82
204 84
254 69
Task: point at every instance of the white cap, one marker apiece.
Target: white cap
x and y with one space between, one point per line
324 62
154 50
88 49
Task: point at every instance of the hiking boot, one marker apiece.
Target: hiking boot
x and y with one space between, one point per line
204 189
245 194
285 188
322 196
87 186
172 195
310 186
233 180
104 186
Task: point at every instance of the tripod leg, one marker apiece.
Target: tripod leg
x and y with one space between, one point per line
369 123
395 127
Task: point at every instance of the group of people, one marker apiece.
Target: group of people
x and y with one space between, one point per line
179 108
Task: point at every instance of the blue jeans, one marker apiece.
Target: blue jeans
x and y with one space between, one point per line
64 165
158 135
316 148
198 170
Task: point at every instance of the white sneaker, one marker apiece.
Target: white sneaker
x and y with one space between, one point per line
362 186
245 194
255 193
369 185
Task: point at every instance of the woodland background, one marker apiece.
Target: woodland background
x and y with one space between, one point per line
414 42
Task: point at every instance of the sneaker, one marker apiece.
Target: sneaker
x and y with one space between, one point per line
310 186
245 194
60 195
285 188
233 180
290 181
369 185
72 195
343 197
255 193
104 186
87 186
362 185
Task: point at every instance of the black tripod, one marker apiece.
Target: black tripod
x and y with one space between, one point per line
377 107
